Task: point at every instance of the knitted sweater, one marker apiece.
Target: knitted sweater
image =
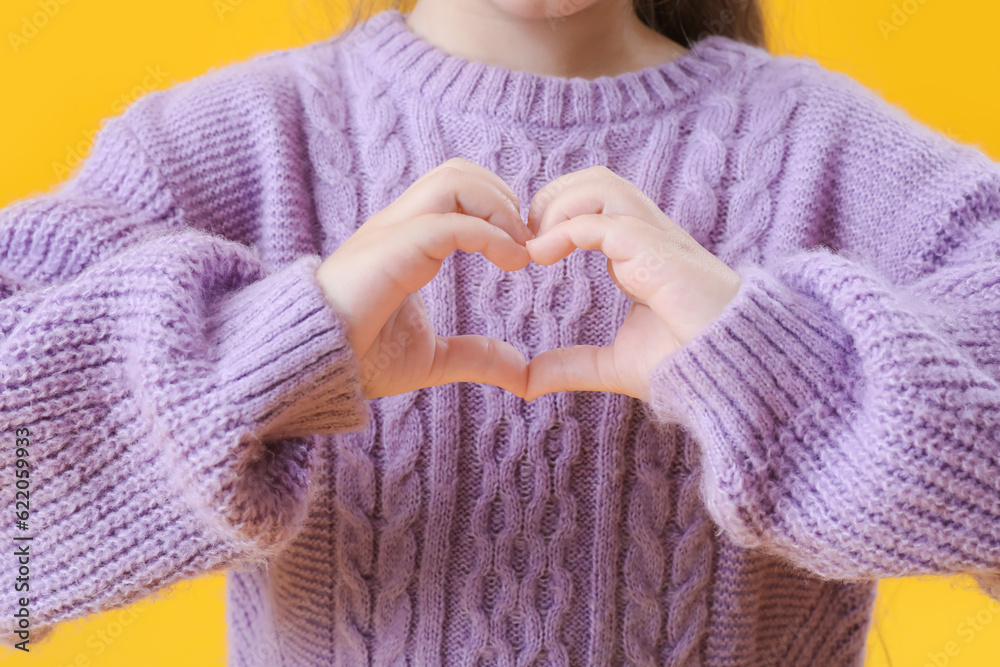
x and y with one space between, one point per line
839 422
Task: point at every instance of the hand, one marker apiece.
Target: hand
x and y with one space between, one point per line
372 279
676 286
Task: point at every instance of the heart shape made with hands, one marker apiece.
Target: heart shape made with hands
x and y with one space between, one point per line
676 286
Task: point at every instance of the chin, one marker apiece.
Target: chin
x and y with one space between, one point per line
542 9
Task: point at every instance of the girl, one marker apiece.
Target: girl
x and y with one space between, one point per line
241 338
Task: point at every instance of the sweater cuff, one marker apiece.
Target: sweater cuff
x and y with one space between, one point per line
750 388
277 343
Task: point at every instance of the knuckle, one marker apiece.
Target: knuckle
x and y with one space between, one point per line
604 171
543 196
449 171
564 181
459 163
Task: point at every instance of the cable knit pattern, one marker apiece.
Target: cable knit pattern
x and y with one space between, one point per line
838 423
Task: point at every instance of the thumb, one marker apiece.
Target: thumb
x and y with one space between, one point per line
577 368
474 358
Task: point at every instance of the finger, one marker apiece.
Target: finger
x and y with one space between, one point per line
460 189
418 247
614 278
439 235
493 178
474 358
395 262
452 190
577 368
472 167
593 190
640 249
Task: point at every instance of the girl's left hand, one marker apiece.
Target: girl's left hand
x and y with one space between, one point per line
676 286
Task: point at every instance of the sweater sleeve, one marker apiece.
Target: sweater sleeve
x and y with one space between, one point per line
144 361
847 402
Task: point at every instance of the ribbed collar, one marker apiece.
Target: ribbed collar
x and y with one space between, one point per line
386 45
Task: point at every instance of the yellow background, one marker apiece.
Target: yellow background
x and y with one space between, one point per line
939 61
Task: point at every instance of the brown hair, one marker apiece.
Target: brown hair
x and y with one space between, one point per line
687 21
684 21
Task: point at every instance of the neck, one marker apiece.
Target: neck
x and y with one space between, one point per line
603 39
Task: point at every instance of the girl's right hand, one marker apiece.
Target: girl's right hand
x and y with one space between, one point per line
371 281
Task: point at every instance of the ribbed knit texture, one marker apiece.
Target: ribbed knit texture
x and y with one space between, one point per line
840 421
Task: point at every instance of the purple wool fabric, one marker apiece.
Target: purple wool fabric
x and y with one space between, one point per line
840 422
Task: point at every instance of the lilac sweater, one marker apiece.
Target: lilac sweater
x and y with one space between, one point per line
840 421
